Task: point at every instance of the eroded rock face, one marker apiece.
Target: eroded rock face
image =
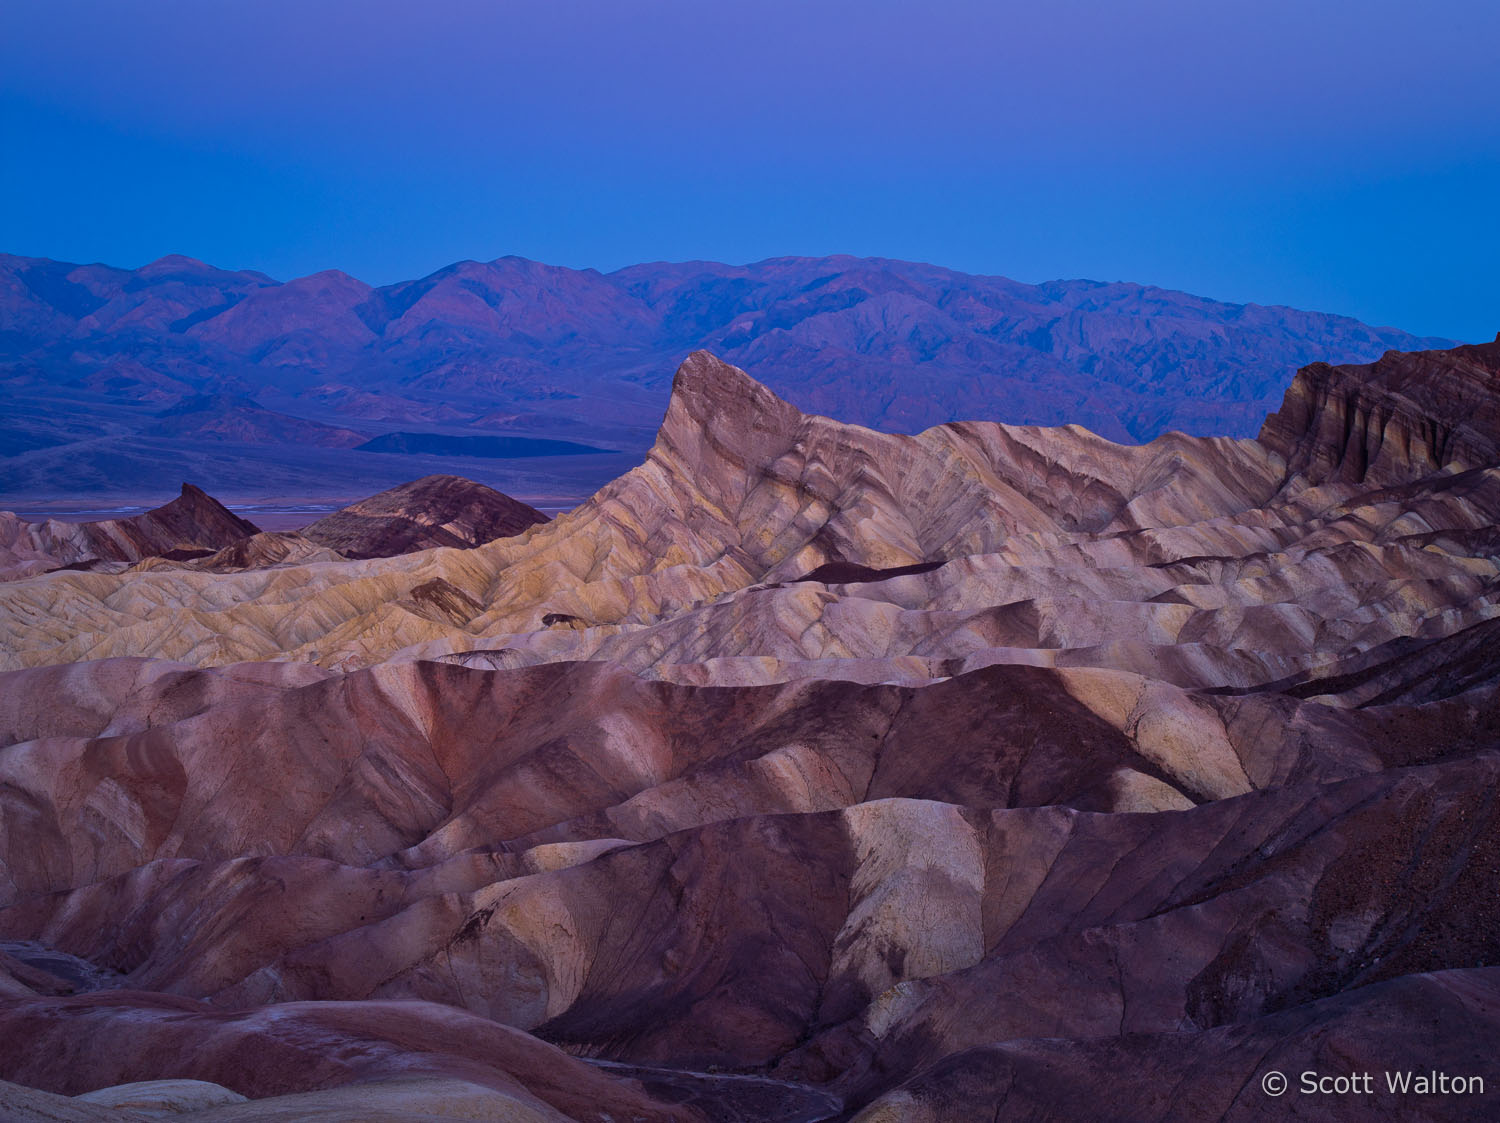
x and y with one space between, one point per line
1393 421
192 525
1206 563
990 770
196 533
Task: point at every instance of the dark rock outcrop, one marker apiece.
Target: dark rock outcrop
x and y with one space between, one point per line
1392 421
431 511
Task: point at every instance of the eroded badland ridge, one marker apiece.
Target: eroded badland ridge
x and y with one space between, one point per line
995 765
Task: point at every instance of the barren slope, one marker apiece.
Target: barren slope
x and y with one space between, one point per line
431 511
805 772
193 524
1204 562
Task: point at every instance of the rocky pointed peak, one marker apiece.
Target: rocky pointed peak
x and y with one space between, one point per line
710 396
197 516
192 525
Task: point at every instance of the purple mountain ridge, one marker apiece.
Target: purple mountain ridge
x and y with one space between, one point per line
93 357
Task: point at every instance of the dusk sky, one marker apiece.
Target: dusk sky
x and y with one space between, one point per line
1337 156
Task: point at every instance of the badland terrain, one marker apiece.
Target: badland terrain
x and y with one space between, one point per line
805 771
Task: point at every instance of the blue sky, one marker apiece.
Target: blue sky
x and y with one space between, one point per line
1338 156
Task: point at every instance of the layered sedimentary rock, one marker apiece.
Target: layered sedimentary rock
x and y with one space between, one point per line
1202 562
1400 419
195 532
805 772
192 525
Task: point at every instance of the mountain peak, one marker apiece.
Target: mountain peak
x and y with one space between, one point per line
176 263
195 515
714 399
892 345
705 382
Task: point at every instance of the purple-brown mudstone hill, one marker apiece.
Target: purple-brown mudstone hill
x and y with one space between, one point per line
192 525
116 372
804 772
196 531
432 511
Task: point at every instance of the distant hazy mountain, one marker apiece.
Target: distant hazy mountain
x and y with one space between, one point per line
111 374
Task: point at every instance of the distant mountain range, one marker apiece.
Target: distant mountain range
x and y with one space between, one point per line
123 381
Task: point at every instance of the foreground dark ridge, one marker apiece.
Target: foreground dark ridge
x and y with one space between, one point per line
991 772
